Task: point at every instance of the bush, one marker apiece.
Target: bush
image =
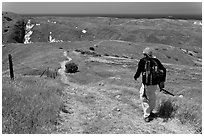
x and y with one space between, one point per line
116 56
166 108
187 111
71 68
8 19
92 48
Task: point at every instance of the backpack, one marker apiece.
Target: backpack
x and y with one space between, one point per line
152 75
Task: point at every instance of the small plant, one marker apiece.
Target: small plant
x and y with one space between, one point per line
106 54
125 56
166 109
116 56
71 68
176 59
8 19
92 48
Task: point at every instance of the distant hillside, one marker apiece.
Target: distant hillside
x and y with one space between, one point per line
162 31
13 28
102 96
162 34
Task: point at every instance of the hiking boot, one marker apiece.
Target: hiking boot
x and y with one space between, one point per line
153 115
147 119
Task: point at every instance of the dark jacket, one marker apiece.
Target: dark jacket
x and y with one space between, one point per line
141 69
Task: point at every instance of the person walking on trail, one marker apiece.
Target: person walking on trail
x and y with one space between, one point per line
153 74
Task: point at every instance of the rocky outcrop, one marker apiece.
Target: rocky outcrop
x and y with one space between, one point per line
29 32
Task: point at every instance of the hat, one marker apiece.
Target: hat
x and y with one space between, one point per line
147 51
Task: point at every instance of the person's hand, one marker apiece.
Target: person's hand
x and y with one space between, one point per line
161 85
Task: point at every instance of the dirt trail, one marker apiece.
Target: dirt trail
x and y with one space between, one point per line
108 109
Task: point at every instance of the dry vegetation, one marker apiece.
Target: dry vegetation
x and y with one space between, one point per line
101 71
30 105
101 97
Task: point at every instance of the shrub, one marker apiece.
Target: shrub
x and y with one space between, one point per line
166 108
116 56
71 68
125 56
92 48
187 111
5 30
8 19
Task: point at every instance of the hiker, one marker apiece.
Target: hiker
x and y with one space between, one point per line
150 66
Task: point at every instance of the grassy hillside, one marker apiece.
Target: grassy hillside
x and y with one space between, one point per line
30 105
106 69
162 34
102 97
162 31
13 28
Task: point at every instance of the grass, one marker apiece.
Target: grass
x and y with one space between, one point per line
30 105
185 110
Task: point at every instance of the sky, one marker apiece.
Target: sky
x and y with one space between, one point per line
186 8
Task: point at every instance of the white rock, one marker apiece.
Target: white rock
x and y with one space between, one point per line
27 37
181 96
84 31
51 40
197 23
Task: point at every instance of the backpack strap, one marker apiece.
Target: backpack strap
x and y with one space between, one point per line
154 62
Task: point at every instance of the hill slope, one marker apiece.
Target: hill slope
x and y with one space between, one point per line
103 97
175 41
172 32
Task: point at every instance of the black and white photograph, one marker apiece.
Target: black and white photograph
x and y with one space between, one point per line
107 67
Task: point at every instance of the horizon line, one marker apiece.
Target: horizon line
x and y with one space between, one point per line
125 15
